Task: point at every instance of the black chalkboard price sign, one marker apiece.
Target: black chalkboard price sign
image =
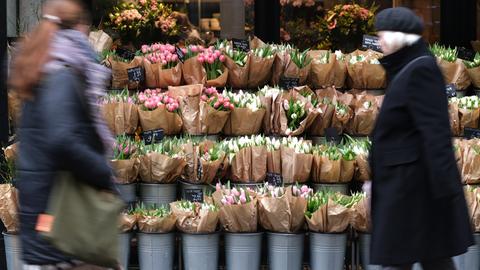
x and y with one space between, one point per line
465 54
135 74
371 42
241 45
451 90
288 83
193 195
152 136
274 179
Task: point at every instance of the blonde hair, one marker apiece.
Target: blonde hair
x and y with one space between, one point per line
397 40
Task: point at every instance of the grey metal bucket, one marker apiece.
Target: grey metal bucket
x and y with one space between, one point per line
156 251
327 250
365 252
128 192
13 251
341 188
158 194
194 192
243 250
200 251
285 251
124 249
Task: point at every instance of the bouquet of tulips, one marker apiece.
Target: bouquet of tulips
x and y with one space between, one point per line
333 164
159 110
261 62
365 71
361 149
330 212
238 208
154 219
125 163
128 220
163 162
247 117
361 217
471 161
327 98
298 66
366 110
297 160
468 111
472 196
120 112
247 157
282 59
120 67
328 69
268 95
281 209
453 69
195 217
162 66
473 70
205 161
454 116
193 72
212 61
238 65
274 156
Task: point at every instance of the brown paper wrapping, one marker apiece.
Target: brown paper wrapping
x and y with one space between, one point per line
127 222
120 74
255 43
193 72
474 74
471 164
274 161
323 120
364 75
237 75
161 118
292 71
284 215
157 77
362 171
158 168
11 152
212 121
455 73
364 119
347 170
14 106
260 71
330 218
239 218
249 165
100 41
295 167
469 118
280 120
361 220
220 81
330 170
197 170
126 171
279 65
189 97
150 224
121 117
340 121
9 208
333 73
243 121
454 118
188 222
472 197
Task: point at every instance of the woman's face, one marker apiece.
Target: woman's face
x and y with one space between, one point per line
386 49
390 42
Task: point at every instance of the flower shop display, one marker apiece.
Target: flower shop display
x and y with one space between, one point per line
333 164
120 112
159 110
204 111
470 168
156 240
282 58
120 67
274 157
344 25
194 217
128 221
468 112
247 117
261 63
142 20
343 112
162 66
267 96
366 110
298 65
247 157
297 160
365 71
193 72
327 99
453 69
212 61
361 149
205 161
327 69
238 65
473 70
125 165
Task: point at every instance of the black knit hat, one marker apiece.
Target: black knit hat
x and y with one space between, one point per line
399 19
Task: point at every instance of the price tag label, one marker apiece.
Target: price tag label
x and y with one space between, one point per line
193 195
289 83
180 54
371 42
465 54
275 179
136 74
451 90
152 136
471 133
241 45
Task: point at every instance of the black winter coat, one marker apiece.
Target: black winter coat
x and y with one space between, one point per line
56 133
419 211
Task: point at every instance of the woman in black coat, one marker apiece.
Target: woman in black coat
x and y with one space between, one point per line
56 74
419 213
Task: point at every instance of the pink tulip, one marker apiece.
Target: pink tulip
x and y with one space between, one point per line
204 98
304 189
235 192
184 50
243 199
226 104
222 58
194 48
148 92
232 106
224 201
201 59
218 53
295 190
230 200
169 58
174 58
175 106
218 186
216 105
